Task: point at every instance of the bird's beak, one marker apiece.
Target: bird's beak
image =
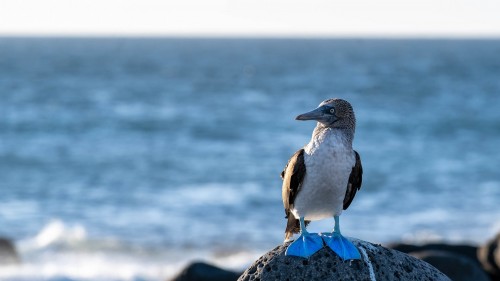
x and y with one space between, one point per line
316 114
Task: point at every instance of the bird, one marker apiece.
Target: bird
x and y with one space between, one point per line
321 179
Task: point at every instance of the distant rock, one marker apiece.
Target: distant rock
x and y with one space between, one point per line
8 254
469 251
378 263
489 257
486 256
199 271
456 266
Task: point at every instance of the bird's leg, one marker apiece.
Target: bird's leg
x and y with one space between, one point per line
306 244
303 229
339 244
336 228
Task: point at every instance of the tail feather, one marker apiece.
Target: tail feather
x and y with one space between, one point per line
292 226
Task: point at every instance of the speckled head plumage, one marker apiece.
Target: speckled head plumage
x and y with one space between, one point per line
332 113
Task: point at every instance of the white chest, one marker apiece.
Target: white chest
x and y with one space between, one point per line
329 160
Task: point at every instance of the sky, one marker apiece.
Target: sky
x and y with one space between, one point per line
387 18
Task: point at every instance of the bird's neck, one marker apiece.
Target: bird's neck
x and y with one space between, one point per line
345 136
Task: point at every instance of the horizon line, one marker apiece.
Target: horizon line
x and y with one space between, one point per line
491 36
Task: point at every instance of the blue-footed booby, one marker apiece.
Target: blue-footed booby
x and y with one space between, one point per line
321 179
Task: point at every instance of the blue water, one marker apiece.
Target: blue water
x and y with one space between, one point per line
124 159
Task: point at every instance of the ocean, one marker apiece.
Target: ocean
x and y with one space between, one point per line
128 158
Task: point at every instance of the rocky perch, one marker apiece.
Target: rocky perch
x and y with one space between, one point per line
377 263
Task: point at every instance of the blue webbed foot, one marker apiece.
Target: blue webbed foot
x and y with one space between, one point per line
305 245
341 246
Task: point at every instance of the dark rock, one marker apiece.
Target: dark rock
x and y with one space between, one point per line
456 266
489 257
8 254
199 271
464 250
378 263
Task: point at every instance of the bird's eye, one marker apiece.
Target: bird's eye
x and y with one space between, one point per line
332 110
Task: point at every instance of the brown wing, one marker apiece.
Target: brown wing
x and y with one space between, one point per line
354 183
292 176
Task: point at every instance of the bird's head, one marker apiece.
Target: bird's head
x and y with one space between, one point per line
332 113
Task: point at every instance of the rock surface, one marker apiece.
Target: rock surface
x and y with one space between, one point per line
199 271
378 263
8 254
456 266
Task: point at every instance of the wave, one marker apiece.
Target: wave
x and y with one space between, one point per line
53 234
61 251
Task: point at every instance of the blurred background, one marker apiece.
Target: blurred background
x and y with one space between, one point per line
139 136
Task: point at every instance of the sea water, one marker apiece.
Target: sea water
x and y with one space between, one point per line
127 158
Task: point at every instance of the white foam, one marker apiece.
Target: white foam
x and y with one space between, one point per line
116 266
93 266
55 232
237 261
65 252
